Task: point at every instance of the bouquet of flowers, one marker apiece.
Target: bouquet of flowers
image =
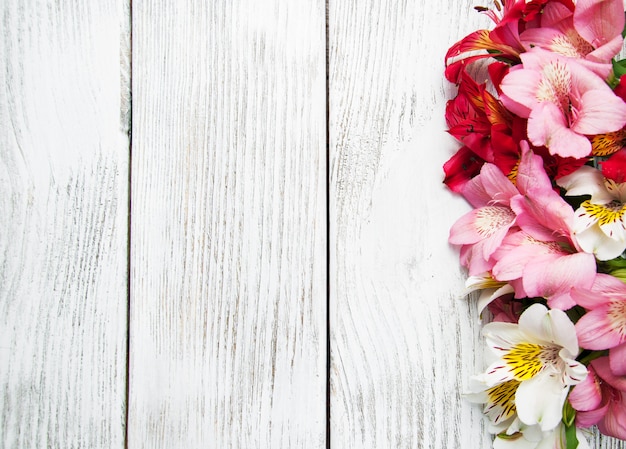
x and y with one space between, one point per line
543 164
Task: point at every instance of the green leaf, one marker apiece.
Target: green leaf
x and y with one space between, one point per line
619 68
569 414
624 30
571 442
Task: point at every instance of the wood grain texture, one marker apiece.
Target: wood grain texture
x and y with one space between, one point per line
403 342
228 265
63 247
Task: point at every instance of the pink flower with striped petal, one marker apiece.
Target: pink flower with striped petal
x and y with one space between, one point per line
563 101
591 33
604 324
600 400
482 230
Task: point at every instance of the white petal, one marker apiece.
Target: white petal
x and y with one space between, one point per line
575 372
500 337
540 400
594 241
586 181
491 294
549 326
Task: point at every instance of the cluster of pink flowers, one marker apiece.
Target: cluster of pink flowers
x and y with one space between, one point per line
543 164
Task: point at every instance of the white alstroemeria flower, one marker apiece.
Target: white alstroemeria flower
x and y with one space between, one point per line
490 289
600 222
534 368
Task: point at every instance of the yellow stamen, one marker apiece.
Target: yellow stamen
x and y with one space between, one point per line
502 395
604 213
524 360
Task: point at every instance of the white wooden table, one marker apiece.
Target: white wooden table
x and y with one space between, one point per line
250 253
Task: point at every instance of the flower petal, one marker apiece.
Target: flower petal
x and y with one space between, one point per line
598 22
558 276
592 240
595 330
586 395
586 181
549 326
547 126
617 359
603 112
540 400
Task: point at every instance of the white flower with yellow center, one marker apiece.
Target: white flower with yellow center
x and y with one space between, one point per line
534 368
600 222
490 289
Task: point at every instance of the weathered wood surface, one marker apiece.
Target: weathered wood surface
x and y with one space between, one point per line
63 245
228 247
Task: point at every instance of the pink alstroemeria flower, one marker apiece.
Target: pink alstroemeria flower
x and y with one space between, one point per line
600 400
563 101
604 324
481 231
541 259
592 33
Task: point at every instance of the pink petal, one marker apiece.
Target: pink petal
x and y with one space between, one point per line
531 173
595 330
603 370
497 185
561 301
587 396
614 422
547 126
599 21
491 184
554 14
604 288
559 275
518 90
617 360
544 215
513 255
590 418
471 256
602 112
542 37
602 56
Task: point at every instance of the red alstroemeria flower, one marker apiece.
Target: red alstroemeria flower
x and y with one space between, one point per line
487 130
503 42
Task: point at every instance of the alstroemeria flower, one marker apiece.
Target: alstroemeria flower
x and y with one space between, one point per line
541 258
600 222
490 288
503 41
563 101
601 400
536 359
604 324
481 230
592 33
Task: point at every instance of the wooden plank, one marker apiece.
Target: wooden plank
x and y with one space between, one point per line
228 264
64 154
403 343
